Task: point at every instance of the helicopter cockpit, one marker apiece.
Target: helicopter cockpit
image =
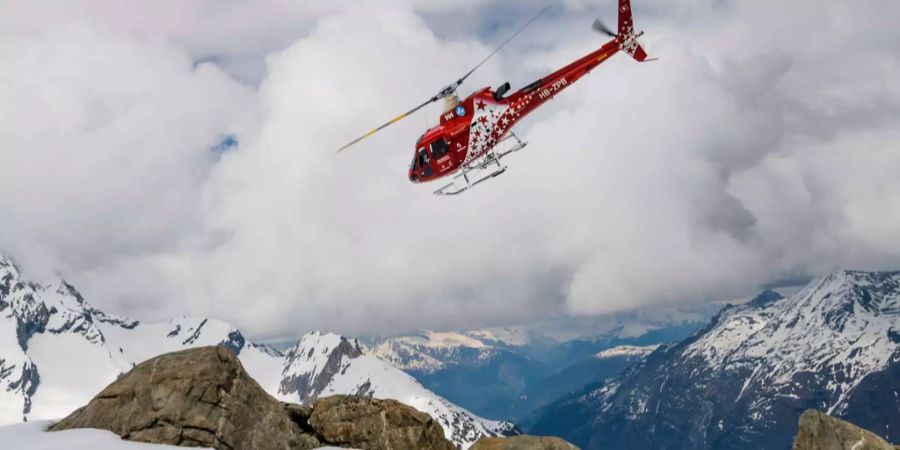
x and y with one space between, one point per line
420 166
420 169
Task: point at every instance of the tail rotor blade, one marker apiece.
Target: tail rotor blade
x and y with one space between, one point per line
601 27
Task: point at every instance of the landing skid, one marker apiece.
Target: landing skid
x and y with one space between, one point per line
484 168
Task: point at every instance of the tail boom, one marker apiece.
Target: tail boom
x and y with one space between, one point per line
532 96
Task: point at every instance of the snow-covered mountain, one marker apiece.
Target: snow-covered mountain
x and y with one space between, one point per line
327 364
468 369
742 382
573 378
57 352
431 351
505 372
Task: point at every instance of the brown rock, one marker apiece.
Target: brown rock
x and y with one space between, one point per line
198 397
522 443
371 424
819 431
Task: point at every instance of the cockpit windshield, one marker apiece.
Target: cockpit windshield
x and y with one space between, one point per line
412 165
420 159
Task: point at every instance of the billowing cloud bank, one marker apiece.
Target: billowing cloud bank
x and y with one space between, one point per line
762 147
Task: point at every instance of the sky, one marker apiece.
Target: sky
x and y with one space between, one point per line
177 158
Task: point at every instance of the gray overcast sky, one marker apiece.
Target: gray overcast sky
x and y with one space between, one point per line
762 146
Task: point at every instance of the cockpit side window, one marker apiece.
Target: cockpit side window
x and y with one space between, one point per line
422 157
439 148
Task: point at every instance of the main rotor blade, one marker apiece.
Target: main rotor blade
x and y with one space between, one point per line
391 122
450 89
507 41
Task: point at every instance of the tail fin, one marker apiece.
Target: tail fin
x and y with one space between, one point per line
626 36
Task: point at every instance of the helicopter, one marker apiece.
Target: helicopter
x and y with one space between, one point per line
475 134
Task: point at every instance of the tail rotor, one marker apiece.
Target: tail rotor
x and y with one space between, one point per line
625 36
601 27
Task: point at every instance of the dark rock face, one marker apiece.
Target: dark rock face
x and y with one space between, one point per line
819 431
873 400
204 397
235 342
28 383
366 423
523 443
199 397
765 297
307 388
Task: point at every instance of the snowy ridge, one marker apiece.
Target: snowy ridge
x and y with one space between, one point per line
843 326
327 364
510 336
47 330
627 351
431 351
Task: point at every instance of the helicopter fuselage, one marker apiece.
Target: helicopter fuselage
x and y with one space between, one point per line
470 129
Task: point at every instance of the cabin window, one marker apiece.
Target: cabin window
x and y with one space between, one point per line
439 148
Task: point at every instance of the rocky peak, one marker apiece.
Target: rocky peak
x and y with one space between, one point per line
314 362
854 312
765 298
8 274
324 364
39 308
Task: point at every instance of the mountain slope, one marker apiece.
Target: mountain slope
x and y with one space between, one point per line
507 372
327 364
466 370
57 352
743 382
592 370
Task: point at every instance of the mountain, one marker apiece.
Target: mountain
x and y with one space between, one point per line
742 382
508 372
561 346
595 369
465 369
327 364
57 352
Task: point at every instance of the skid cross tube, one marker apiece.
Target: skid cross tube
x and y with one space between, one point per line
472 174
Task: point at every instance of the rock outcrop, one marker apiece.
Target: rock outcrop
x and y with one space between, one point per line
819 431
204 397
360 422
523 443
198 397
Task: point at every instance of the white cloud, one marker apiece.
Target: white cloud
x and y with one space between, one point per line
756 149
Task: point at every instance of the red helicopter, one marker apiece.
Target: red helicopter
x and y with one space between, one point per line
475 134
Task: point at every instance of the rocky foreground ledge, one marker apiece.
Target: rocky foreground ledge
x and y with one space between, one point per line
819 431
203 397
